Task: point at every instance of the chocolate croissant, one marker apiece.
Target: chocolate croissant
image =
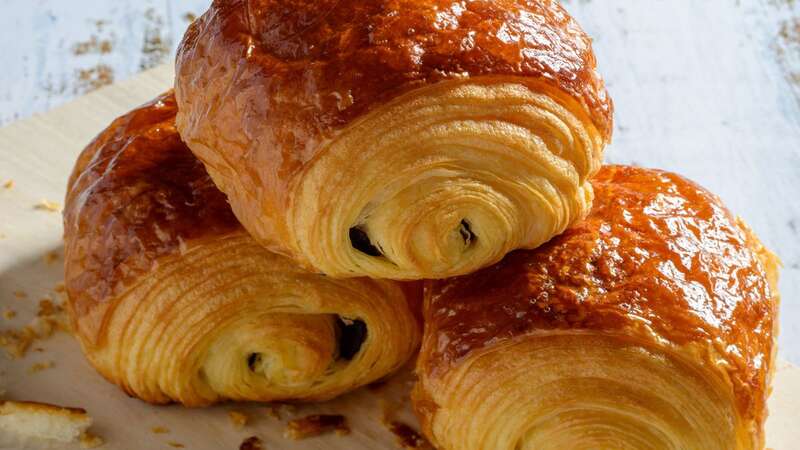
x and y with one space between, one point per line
173 301
649 325
395 139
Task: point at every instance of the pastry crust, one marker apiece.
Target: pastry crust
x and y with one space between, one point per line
396 139
172 300
650 324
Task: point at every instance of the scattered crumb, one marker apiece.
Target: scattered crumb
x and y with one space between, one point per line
159 430
60 287
388 409
20 294
251 443
38 367
93 78
239 419
315 425
46 205
175 444
93 45
9 313
51 257
156 47
407 437
190 17
8 184
47 308
89 440
43 421
273 412
50 318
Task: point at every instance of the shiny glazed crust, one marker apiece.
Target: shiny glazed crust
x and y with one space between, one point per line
366 138
650 324
173 301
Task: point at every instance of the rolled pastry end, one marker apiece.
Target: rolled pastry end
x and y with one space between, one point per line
580 391
227 320
450 178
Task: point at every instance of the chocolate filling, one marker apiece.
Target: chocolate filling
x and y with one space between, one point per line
352 334
252 360
466 233
359 239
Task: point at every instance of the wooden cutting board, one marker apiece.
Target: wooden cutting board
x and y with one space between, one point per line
38 154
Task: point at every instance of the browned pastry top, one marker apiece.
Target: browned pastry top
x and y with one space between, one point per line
136 193
312 66
657 250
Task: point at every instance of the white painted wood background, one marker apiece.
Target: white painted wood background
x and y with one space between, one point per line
709 89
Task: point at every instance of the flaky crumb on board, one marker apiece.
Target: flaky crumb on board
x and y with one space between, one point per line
50 257
47 205
44 421
251 443
175 444
50 318
159 430
40 366
20 294
238 419
89 440
273 412
8 184
407 437
315 425
9 313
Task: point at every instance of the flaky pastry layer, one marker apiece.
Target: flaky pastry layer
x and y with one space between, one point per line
173 301
649 324
361 139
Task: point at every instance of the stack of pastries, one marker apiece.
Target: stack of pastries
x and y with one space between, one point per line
336 187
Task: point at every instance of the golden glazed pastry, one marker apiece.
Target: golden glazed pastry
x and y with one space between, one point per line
173 301
649 325
399 139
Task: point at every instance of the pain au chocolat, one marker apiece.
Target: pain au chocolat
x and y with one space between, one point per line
173 301
399 139
649 325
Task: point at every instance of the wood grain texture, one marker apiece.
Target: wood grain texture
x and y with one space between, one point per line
55 50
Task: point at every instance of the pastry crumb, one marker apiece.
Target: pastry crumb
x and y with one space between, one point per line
238 419
190 17
20 294
60 287
159 430
89 440
50 257
50 318
47 205
407 437
315 425
9 313
273 412
175 444
8 184
251 443
40 366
